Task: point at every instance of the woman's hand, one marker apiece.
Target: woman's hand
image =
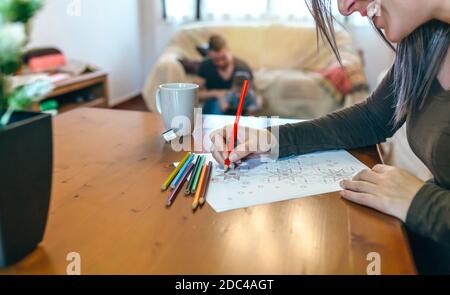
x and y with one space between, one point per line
384 188
249 141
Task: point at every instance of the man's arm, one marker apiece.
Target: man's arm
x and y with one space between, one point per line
205 94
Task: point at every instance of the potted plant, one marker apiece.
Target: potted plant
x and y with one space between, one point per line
25 141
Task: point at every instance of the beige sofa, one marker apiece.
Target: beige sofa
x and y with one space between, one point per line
284 57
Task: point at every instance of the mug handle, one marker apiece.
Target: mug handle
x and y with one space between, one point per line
158 101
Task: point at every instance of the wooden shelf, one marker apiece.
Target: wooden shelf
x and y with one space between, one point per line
96 103
78 83
92 87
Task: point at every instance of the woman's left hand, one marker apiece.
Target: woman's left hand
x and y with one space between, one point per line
384 188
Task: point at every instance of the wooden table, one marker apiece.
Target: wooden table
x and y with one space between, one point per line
107 206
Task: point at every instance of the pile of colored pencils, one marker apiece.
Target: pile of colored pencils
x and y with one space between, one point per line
196 173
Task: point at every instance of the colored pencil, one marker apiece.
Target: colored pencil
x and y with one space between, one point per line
233 138
206 184
174 173
197 176
181 173
175 192
187 192
200 187
198 167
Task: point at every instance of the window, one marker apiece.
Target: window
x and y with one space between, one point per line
180 10
289 9
190 10
233 9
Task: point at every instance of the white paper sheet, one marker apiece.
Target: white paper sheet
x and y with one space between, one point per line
256 182
211 122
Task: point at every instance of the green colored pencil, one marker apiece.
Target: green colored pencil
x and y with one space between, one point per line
197 175
174 173
197 169
187 192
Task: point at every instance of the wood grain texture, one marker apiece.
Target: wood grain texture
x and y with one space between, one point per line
107 206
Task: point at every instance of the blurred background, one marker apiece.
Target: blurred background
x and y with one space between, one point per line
139 44
126 37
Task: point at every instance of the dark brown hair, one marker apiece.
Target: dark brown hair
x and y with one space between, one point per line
217 43
240 77
418 61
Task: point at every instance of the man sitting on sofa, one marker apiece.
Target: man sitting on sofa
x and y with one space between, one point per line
215 74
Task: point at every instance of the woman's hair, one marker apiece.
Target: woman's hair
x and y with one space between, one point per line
418 60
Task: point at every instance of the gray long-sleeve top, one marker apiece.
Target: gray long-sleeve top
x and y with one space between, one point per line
371 122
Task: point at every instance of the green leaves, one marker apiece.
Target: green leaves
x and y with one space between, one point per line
12 39
14 17
19 10
2 93
23 96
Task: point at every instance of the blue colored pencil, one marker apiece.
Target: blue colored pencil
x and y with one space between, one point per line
182 170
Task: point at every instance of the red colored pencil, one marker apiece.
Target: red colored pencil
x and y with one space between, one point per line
233 138
180 184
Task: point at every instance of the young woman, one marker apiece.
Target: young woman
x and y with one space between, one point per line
415 92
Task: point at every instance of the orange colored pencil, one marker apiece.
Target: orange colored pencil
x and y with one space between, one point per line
207 181
201 187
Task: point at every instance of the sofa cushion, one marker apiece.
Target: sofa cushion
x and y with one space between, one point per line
294 93
337 76
280 46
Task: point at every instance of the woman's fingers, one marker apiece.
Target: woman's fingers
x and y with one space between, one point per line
367 175
364 199
247 143
379 168
218 149
358 186
217 156
241 152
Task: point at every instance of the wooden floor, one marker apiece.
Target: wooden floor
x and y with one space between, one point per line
134 104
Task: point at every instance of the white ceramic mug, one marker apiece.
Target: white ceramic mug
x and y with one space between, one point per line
176 103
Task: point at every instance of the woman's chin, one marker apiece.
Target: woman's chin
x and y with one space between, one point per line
380 24
393 37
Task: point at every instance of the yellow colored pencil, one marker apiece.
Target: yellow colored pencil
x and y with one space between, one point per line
174 173
200 188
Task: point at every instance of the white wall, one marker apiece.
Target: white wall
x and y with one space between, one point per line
155 34
149 21
106 34
377 55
